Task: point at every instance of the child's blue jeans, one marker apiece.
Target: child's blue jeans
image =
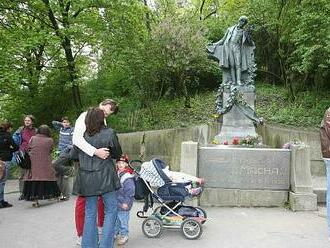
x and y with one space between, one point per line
122 223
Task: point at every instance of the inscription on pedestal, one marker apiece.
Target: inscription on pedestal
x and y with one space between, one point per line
244 168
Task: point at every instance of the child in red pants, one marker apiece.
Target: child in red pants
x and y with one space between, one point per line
80 215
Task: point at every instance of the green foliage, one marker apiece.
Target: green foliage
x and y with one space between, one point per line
311 37
274 104
148 57
165 114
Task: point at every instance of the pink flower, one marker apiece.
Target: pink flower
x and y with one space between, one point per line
235 141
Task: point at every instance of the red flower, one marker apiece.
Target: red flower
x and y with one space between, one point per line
235 141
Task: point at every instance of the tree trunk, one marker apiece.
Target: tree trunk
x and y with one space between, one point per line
66 44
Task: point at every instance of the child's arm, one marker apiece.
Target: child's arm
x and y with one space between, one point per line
129 192
57 125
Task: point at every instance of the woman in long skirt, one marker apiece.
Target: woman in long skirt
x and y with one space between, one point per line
40 180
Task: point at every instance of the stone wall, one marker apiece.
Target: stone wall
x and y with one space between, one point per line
276 136
163 144
166 144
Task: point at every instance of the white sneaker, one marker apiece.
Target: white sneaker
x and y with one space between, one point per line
78 241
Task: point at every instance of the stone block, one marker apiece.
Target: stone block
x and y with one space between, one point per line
321 194
301 179
303 201
189 158
243 198
231 167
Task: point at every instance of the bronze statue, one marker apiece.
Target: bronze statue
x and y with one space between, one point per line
235 54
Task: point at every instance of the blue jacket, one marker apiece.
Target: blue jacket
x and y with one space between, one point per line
65 138
17 135
126 193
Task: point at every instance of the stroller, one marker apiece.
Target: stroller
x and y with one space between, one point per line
172 212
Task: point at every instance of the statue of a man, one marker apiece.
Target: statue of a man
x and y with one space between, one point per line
235 53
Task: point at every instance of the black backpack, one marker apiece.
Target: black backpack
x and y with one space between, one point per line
141 189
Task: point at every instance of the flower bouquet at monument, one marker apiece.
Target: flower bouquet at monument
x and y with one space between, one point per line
251 141
289 144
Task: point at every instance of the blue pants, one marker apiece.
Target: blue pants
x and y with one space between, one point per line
3 181
122 223
90 233
327 165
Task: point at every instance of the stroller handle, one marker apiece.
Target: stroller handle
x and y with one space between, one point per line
134 161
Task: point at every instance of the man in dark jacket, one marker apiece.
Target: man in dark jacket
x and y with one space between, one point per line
325 148
7 147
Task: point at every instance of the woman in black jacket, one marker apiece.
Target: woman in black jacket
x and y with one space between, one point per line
97 177
7 147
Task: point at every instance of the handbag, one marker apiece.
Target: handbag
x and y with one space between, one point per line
23 159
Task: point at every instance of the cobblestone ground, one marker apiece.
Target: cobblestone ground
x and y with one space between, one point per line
52 226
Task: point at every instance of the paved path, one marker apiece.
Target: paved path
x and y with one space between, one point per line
52 226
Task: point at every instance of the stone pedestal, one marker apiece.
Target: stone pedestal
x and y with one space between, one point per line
249 177
235 123
302 196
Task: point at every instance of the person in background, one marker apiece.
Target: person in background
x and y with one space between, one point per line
21 138
97 176
40 181
125 198
325 149
64 142
66 133
7 147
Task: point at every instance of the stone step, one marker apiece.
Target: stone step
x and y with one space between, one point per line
320 188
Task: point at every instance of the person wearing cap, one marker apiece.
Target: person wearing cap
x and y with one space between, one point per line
125 198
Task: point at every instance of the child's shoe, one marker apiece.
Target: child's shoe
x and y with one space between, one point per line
196 191
122 240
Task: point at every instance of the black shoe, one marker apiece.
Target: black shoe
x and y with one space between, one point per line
21 197
5 204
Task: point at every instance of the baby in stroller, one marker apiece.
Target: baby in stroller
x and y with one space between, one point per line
171 194
157 173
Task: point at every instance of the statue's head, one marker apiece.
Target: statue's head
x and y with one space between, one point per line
243 20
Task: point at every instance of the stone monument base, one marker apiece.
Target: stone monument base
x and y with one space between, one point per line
243 198
303 201
235 123
251 177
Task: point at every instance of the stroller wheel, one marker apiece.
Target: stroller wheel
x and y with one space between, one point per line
191 228
201 213
152 227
